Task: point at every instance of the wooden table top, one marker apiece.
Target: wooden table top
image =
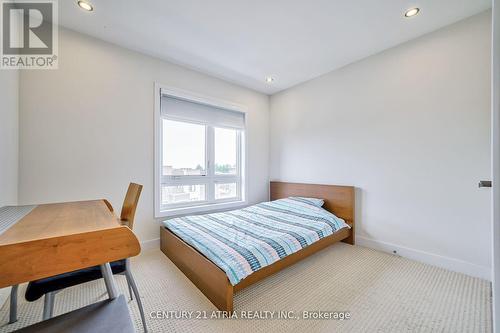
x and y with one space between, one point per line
63 237
59 219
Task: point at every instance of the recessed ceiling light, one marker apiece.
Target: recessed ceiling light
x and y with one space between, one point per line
85 5
269 79
412 12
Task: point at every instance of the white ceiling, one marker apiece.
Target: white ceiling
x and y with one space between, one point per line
243 41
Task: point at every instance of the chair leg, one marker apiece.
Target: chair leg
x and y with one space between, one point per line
13 304
109 280
129 290
48 305
131 283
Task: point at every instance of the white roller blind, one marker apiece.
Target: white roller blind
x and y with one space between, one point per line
187 110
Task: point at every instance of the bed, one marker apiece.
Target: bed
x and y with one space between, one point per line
294 230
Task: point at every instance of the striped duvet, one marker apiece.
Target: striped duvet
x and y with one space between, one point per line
243 241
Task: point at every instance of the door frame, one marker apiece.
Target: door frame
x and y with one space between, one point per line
495 164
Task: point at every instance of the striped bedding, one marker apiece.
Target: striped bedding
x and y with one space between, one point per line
243 241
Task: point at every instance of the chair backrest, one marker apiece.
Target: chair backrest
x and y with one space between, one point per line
110 207
130 204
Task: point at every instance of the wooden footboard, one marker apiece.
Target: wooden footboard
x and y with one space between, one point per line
210 279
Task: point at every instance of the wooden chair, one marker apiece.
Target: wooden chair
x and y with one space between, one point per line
48 287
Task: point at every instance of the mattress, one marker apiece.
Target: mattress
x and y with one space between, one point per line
243 241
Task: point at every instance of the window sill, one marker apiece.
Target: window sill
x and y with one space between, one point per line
200 209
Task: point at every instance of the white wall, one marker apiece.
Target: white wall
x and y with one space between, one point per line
86 129
9 85
409 128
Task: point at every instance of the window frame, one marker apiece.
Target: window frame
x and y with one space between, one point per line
211 178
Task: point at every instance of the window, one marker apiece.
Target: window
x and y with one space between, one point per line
226 142
184 151
199 156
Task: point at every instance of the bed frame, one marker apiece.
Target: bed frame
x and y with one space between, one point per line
213 281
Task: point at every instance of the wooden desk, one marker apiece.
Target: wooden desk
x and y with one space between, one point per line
63 237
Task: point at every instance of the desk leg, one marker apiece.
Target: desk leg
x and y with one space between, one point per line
109 280
13 304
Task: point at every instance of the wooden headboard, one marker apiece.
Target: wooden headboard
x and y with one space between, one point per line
339 200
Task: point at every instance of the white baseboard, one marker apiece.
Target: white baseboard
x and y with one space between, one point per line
452 264
150 244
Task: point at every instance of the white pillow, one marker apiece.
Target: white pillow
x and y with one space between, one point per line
312 201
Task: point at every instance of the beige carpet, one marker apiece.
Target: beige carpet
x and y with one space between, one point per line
382 292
